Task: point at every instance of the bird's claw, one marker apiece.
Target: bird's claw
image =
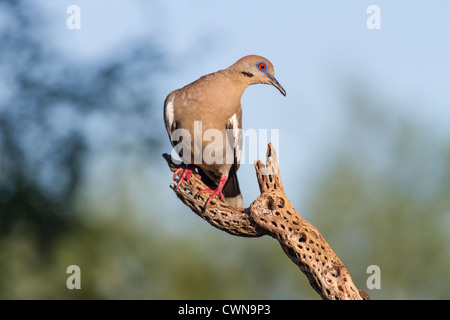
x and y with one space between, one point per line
213 194
186 175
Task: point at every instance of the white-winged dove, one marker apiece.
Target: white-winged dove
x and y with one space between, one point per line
214 102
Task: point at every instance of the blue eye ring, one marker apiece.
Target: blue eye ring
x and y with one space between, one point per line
262 67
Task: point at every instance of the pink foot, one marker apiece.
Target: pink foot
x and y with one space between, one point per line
216 192
186 175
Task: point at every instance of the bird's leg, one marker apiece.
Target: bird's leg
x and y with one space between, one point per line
186 175
218 191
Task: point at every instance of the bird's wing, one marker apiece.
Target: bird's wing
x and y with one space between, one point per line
169 114
234 132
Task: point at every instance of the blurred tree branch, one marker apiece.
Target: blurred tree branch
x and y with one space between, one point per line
272 214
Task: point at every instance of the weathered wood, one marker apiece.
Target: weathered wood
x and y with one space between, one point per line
272 214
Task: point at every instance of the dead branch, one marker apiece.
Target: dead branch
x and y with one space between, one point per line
272 214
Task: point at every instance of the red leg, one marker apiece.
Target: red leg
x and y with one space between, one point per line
218 191
186 175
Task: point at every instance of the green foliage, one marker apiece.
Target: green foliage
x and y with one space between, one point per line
383 201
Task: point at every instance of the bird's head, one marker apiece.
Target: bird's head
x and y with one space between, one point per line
256 69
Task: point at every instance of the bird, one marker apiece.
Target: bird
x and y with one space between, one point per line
213 102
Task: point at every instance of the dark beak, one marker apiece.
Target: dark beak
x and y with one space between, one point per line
277 85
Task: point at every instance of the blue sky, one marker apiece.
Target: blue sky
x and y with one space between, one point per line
317 47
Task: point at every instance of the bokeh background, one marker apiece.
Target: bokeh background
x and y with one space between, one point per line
364 146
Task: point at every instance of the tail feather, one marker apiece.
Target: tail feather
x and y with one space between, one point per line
231 190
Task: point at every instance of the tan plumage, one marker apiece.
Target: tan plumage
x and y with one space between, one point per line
215 100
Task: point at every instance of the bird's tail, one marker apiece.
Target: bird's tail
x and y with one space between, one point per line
231 190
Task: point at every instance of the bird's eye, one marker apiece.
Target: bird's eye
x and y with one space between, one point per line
262 66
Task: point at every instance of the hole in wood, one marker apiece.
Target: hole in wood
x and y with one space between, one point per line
302 237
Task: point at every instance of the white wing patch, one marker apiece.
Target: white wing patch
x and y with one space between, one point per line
237 137
169 114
